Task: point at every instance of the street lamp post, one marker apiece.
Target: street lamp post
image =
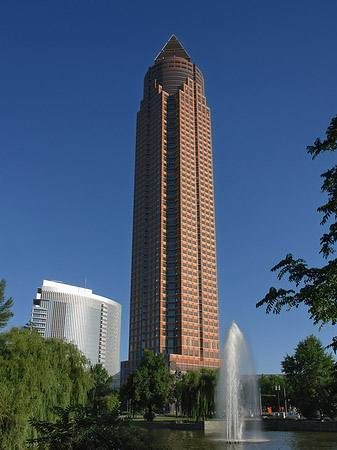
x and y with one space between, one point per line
285 401
278 388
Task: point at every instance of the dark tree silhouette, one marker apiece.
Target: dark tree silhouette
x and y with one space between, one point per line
315 287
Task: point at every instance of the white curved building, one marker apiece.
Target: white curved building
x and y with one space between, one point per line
88 320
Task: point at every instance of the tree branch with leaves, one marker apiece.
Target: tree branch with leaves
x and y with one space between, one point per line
316 287
5 305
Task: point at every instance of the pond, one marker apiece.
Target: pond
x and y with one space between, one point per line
277 440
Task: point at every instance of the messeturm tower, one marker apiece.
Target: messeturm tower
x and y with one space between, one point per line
174 299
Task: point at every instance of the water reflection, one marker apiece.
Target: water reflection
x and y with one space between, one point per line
196 440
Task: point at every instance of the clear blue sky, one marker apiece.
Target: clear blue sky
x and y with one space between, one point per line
71 80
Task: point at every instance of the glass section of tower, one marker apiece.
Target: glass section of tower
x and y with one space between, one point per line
172 222
201 335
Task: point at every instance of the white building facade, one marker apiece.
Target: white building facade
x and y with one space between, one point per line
88 320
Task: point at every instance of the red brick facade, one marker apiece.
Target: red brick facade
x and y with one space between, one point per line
174 299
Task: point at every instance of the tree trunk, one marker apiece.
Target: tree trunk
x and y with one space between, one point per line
150 416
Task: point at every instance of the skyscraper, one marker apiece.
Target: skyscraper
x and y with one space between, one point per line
77 315
174 300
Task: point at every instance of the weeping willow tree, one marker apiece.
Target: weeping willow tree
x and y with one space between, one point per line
36 375
208 380
198 392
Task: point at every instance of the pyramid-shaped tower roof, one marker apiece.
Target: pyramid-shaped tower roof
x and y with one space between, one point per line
173 48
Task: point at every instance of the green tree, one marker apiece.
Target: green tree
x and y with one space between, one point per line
150 385
196 392
102 399
191 393
76 428
177 393
5 305
208 379
270 396
315 287
311 376
36 374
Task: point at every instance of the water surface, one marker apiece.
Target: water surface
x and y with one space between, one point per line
277 440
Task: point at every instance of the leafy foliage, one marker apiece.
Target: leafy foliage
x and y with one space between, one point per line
35 375
150 385
311 377
60 434
208 379
317 287
269 396
191 393
198 392
5 305
79 428
102 399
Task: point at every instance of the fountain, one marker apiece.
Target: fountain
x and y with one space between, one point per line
237 394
